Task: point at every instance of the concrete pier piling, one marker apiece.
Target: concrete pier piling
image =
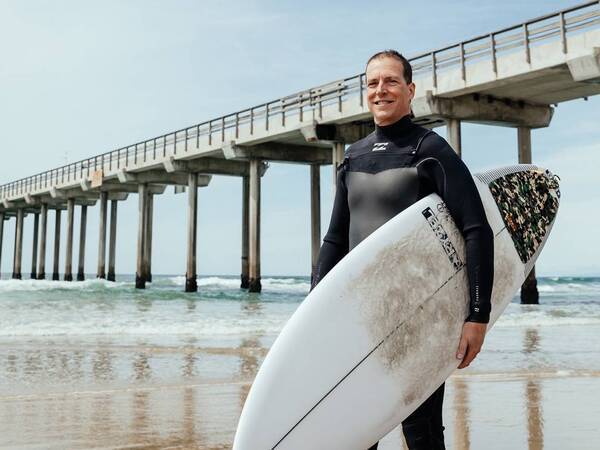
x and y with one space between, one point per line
337 156
148 238
18 252
454 135
245 208
55 276
254 284
68 276
529 290
101 270
140 281
34 246
82 233
1 238
191 285
112 243
315 214
41 272
524 143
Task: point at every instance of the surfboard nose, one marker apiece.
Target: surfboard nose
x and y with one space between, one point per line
528 201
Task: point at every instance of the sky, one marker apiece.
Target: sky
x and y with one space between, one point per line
82 78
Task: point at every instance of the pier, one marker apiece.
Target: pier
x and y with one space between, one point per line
512 77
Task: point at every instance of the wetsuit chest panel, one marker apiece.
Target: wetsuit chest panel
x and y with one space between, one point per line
376 161
374 198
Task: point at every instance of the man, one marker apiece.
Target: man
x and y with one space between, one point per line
386 172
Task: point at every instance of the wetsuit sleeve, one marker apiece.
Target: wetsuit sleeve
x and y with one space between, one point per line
335 243
446 174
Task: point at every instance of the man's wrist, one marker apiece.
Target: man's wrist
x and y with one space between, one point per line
478 318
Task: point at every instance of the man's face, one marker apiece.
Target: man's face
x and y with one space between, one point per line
388 95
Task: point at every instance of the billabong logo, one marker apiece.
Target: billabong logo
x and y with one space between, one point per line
380 146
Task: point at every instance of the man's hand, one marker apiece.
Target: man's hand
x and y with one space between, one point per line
471 341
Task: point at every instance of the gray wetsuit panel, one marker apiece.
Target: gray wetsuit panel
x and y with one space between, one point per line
374 198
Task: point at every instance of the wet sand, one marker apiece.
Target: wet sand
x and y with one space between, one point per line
106 394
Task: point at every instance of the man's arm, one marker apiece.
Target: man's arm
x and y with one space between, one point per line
450 178
335 243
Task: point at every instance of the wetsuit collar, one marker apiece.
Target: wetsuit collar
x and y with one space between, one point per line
395 129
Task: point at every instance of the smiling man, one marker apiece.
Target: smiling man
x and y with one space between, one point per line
386 172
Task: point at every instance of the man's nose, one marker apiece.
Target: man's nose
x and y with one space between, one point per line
380 88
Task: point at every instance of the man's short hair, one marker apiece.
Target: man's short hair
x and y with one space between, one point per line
407 73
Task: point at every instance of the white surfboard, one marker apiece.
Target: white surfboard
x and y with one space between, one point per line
379 333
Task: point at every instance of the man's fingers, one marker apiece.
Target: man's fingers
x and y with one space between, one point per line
469 357
467 360
462 348
470 344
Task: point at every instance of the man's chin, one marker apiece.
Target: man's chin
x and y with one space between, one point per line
384 119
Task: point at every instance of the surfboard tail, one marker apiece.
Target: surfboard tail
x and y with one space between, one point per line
527 197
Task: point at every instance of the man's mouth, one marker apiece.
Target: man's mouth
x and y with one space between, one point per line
383 102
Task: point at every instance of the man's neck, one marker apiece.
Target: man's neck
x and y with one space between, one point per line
394 129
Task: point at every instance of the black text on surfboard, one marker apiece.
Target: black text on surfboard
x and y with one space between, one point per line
441 234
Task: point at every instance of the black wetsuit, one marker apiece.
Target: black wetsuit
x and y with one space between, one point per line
382 175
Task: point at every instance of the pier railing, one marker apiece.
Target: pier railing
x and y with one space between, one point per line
311 102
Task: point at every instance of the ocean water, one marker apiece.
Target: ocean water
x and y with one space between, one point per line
560 333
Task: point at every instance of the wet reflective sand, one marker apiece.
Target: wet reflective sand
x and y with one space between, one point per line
69 394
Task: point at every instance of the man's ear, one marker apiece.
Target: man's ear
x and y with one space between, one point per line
411 89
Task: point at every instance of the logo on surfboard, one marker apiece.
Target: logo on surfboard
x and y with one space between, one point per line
444 239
